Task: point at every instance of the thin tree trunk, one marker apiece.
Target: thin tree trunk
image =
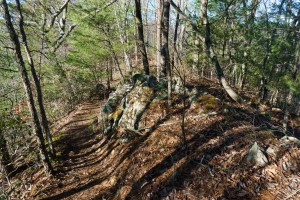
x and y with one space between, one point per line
44 121
26 84
108 75
158 38
212 55
147 26
195 65
136 49
288 101
165 54
175 37
183 113
122 40
264 79
210 51
140 39
295 69
113 53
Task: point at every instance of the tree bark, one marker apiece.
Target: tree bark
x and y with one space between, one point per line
158 38
165 54
44 121
28 91
175 37
140 34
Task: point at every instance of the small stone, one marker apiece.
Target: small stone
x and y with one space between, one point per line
271 151
289 140
256 156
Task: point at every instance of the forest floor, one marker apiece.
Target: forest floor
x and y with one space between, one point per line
212 164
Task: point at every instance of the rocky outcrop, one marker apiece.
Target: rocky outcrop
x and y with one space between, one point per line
112 110
127 104
136 103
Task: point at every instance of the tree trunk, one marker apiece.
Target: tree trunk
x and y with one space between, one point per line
294 73
108 71
147 26
44 121
113 53
140 34
175 37
265 79
26 84
158 38
165 55
212 55
123 41
210 51
195 65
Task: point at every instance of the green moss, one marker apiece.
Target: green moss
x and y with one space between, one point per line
59 137
209 102
115 115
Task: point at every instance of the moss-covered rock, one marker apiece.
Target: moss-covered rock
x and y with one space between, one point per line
137 102
206 103
127 104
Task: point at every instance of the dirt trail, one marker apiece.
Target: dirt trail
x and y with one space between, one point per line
79 161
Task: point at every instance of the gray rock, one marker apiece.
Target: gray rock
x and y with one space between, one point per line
137 101
179 86
256 156
289 140
112 110
127 104
272 151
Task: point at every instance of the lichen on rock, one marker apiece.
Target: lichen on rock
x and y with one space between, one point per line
127 104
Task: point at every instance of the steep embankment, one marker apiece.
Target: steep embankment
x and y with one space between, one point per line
212 165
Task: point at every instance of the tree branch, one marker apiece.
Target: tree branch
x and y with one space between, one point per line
9 70
55 15
62 39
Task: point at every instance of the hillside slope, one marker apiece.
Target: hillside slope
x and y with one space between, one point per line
212 165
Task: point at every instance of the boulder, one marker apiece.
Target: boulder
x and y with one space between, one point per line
112 110
127 104
136 103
